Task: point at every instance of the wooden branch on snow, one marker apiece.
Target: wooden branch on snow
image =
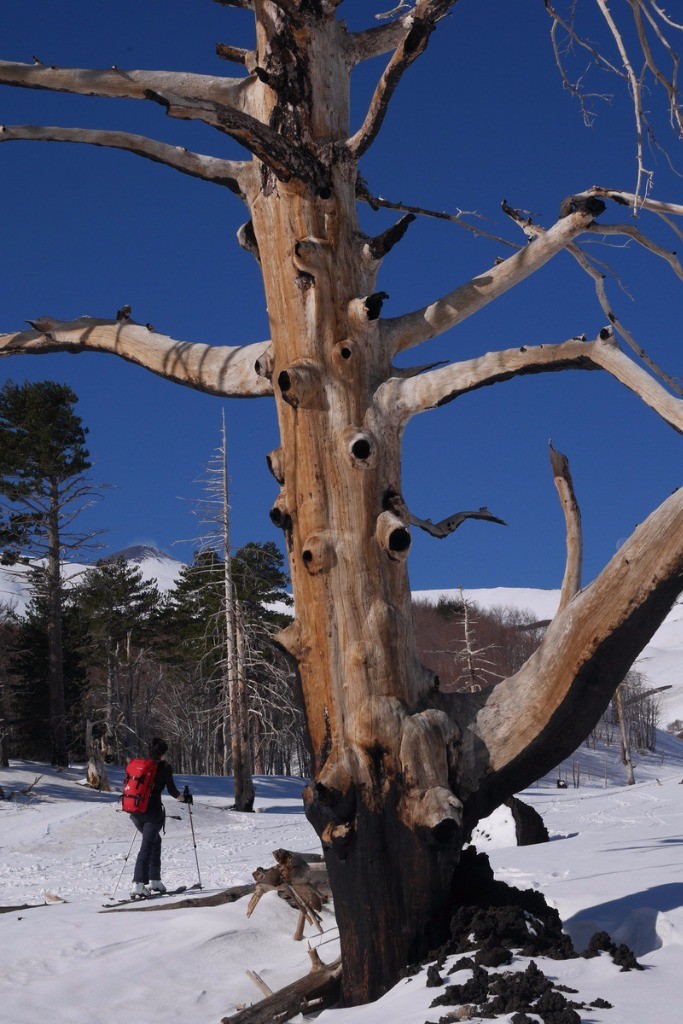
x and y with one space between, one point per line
221 172
236 892
571 583
301 881
321 985
214 369
437 387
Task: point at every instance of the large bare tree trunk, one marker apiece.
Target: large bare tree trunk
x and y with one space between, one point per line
401 771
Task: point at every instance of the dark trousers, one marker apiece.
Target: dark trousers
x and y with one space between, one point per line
148 863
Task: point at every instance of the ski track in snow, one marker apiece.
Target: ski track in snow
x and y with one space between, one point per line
614 862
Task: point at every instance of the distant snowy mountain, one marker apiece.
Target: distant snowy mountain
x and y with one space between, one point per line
154 565
661 663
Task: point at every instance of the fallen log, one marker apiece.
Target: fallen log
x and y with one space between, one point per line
236 892
320 985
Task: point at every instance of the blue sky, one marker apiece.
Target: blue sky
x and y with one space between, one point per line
480 118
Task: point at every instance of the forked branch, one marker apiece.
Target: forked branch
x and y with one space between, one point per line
413 328
213 369
381 39
413 43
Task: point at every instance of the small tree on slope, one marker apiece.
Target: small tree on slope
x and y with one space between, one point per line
402 772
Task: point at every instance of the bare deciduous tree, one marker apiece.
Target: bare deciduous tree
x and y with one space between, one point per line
402 771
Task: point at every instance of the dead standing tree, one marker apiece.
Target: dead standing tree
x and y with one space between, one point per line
402 772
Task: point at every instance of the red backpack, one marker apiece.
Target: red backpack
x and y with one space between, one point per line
137 785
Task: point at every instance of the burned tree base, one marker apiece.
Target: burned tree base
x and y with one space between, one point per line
391 887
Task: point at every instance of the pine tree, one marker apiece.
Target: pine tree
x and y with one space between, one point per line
43 487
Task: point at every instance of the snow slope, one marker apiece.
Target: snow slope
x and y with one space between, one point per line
614 862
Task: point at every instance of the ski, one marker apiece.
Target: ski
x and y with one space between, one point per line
145 899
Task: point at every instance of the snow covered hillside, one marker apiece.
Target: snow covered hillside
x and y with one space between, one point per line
661 663
613 863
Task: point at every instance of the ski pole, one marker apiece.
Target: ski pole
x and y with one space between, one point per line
125 861
187 797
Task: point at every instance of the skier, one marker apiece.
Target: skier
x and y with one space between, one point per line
147 874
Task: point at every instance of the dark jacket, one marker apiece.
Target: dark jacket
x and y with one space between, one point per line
163 780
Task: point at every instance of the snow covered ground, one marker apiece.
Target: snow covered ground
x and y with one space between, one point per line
615 862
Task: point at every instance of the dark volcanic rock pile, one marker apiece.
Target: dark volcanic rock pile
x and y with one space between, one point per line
494 921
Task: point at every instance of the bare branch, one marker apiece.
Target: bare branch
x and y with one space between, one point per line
438 387
285 159
665 17
380 245
122 84
364 195
644 177
235 54
599 282
534 231
419 26
374 42
213 369
629 231
383 39
396 504
413 328
670 86
222 172
634 201
571 583
244 5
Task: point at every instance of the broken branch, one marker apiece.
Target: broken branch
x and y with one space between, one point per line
122 84
571 583
214 369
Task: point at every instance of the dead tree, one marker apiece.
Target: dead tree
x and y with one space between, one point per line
402 772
